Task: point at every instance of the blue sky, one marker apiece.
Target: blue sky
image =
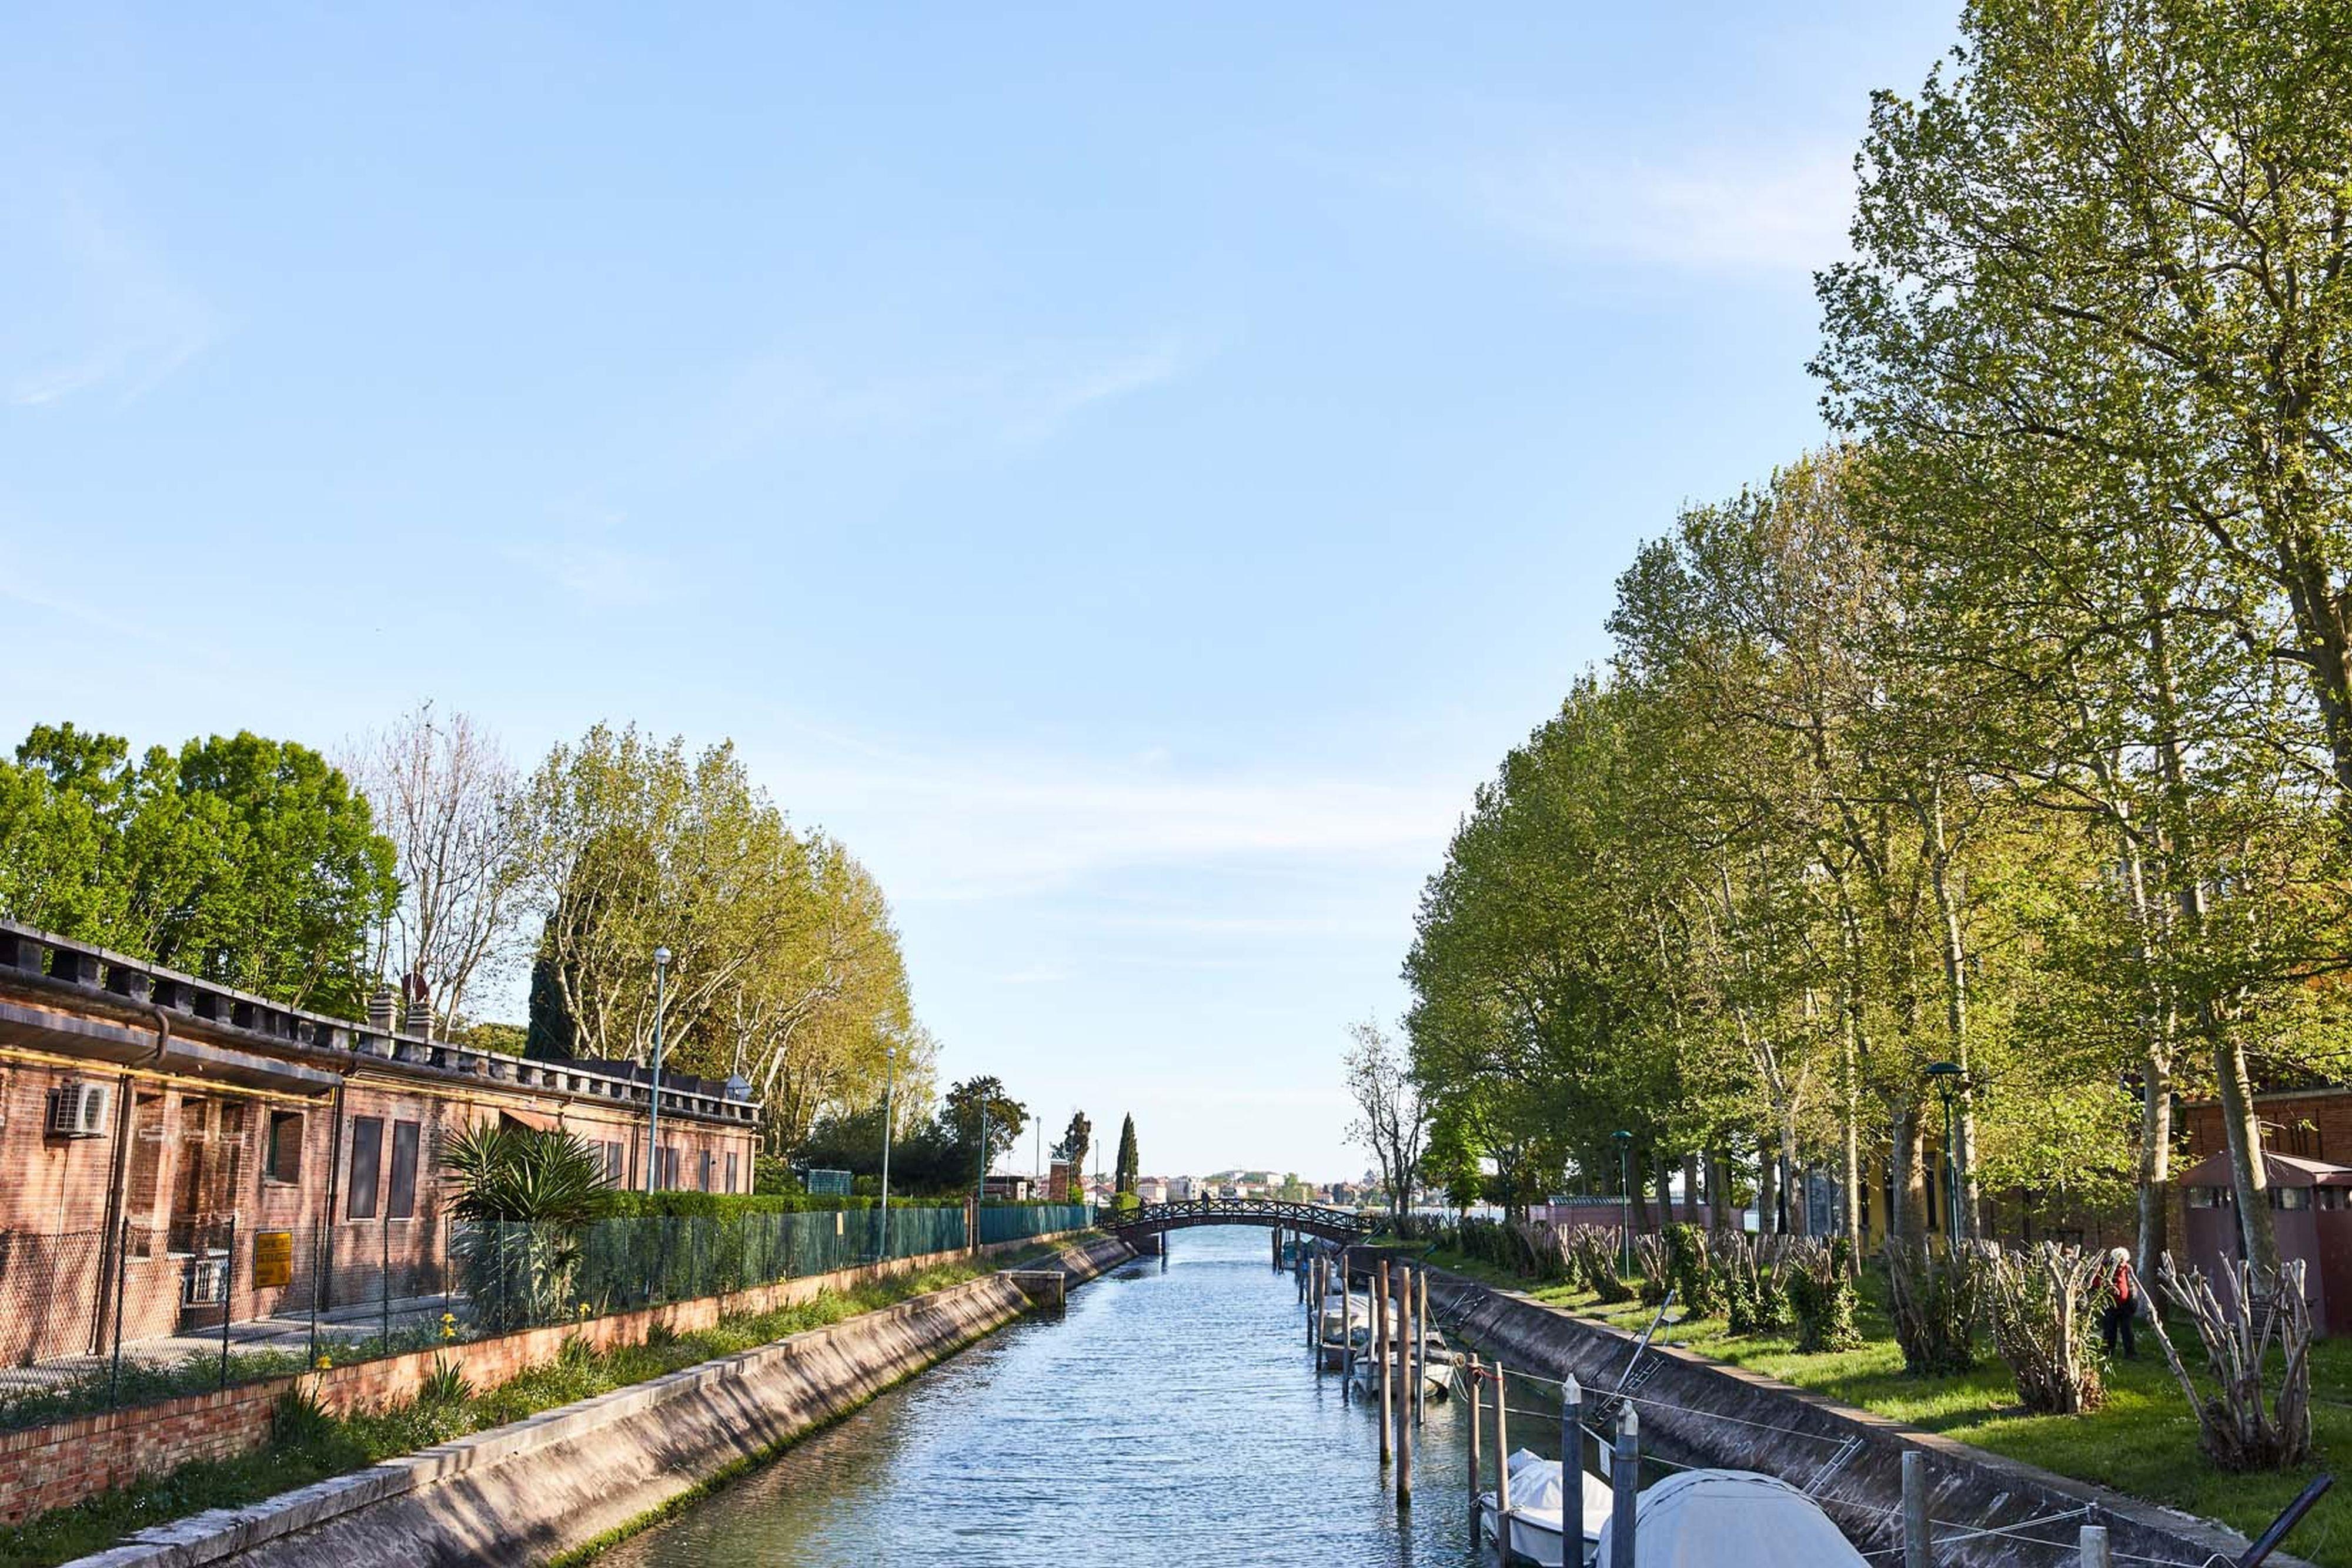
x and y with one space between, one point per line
1131 476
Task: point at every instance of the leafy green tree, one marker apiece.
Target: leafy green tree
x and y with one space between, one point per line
960 1118
249 862
1076 1138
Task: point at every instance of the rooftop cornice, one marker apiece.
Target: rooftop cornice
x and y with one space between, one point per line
60 969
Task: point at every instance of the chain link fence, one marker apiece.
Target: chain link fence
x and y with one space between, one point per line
93 1321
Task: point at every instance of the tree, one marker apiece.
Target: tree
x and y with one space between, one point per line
2094 264
785 968
1390 1119
445 795
961 1116
1129 1165
1075 1140
2115 235
249 862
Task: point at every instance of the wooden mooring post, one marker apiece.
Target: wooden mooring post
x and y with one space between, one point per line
2095 1553
1502 1461
1421 1346
1571 1437
1624 1489
1916 1553
1380 1358
1477 1419
1408 1371
1347 1332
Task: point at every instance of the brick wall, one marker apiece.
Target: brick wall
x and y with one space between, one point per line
54 1467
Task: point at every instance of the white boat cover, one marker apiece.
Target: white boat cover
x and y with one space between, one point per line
1707 1519
1536 1488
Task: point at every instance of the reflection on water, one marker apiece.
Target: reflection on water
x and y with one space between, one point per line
1170 1418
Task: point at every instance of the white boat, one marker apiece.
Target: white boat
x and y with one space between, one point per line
1436 1381
1538 1531
1706 1519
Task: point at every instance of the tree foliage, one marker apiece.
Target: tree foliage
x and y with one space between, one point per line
249 862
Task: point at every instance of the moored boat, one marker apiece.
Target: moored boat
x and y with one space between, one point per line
1540 1508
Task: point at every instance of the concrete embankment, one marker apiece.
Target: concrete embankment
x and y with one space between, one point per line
566 1478
1699 1411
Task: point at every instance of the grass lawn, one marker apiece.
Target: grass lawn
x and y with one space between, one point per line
2142 1441
307 1444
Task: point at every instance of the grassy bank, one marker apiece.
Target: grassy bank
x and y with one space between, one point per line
2142 1441
307 1444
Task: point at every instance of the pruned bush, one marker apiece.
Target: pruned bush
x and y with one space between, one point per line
1821 1294
1752 1274
2248 1423
1547 1250
1691 1271
1596 1259
1656 1269
2041 1304
1935 1300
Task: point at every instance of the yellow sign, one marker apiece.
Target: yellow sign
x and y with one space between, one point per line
273 1259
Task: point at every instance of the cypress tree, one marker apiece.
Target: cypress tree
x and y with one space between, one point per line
1128 1162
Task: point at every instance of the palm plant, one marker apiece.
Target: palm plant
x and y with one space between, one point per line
525 1196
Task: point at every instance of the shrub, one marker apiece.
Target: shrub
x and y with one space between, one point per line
1596 1258
2039 1304
2244 1424
1935 1300
1821 1294
1657 1269
1753 1272
1691 1271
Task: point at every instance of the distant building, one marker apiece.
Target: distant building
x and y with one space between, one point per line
1182 1189
1152 1189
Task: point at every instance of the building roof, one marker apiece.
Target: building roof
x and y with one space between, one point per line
125 1009
2278 1170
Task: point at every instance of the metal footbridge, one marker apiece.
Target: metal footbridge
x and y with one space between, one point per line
1341 1225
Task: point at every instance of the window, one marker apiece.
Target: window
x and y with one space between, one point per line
401 1203
2327 1197
2204 1197
281 1158
706 1170
670 1168
614 1154
730 1170
367 1152
2290 1198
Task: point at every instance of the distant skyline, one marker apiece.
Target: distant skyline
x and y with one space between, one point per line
1131 476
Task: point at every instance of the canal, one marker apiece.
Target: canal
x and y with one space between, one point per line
1171 1416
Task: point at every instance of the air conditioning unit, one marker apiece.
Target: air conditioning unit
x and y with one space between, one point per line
78 1110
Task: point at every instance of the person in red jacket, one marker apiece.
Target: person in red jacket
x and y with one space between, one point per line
2123 1305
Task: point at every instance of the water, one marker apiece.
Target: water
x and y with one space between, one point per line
1170 1418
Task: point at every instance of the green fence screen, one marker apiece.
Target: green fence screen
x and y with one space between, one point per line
1012 1222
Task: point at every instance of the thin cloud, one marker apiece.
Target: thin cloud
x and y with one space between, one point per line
790 400
114 316
597 573
1721 210
963 829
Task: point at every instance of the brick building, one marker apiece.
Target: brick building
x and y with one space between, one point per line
177 1151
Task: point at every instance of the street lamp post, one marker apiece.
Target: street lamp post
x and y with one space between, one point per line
889 1118
1624 1199
1948 1079
652 1103
980 1182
